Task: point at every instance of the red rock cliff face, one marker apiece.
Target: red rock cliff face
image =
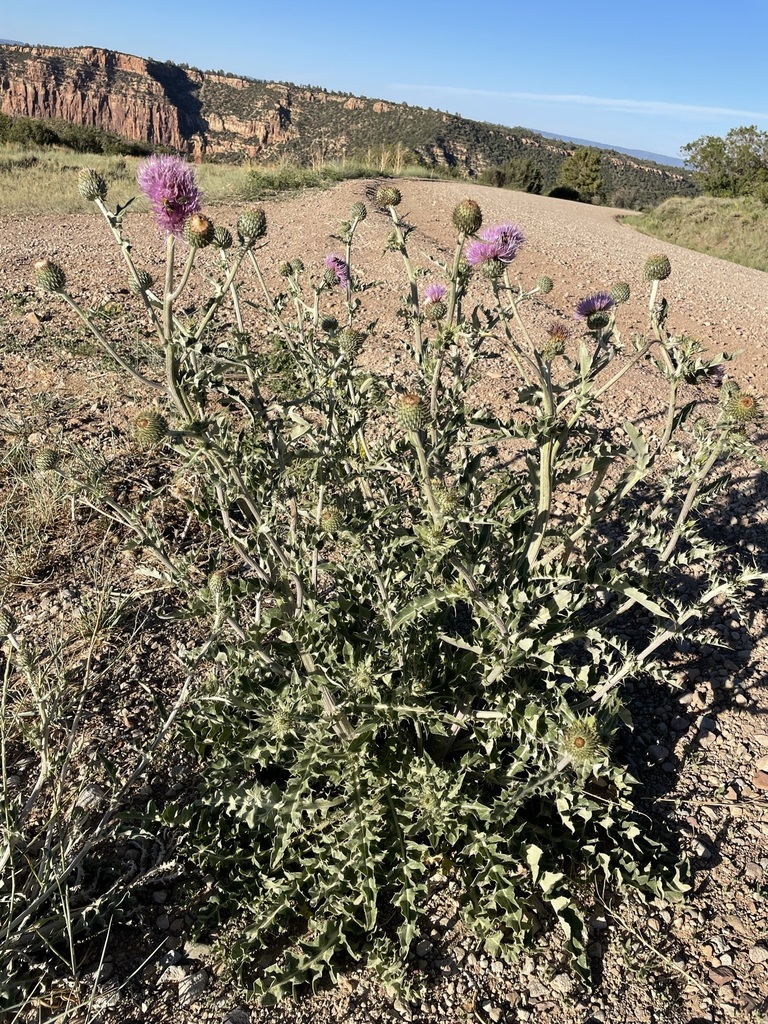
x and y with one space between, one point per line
91 87
138 99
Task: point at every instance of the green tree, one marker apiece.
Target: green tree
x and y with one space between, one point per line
582 172
521 173
732 166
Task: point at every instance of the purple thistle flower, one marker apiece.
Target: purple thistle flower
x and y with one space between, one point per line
600 302
434 293
501 242
339 267
170 186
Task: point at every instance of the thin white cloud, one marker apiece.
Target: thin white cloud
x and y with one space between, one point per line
655 108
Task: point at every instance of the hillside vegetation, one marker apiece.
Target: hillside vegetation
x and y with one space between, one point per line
213 115
733 229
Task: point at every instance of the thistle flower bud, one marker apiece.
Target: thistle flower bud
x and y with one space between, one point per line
332 518
329 278
435 311
199 231
447 498
387 195
581 741
467 217
657 267
358 212
222 238
554 346
298 266
620 292
91 185
149 428
7 622
742 408
141 283
393 243
49 276
285 269
544 284
252 226
46 459
411 412
492 269
349 340
329 324
217 582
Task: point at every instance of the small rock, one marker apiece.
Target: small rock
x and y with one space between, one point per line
238 1016
761 738
192 987
562 983
758 954
658 752
722 975
163 922
760 780
423 947
536 990
762 764
159 896
196 950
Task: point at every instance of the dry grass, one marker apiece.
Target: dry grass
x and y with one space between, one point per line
732 229
37 180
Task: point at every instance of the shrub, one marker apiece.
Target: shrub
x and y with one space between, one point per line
418 661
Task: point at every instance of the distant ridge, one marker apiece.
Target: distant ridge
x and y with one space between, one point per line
641 154
221 116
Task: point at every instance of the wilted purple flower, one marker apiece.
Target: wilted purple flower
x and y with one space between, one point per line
600 302
170 186
434 293
339 268
501 242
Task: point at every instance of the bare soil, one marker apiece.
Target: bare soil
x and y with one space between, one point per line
701 750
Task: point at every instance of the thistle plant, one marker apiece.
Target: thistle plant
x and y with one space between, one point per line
420 658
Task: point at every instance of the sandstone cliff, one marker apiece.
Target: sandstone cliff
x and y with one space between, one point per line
205 114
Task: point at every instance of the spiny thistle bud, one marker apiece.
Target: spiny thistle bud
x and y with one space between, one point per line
742 408
349 340
435 311
329 324
91 185
544 284
199 231
620 292
554 346
358 212
447 498
217 581
330 280
222 238
252 226
411 412
393 243
46 459
49 276
467 217
493 269
141 283
581 741
298 266
332 518
285 269
7 622
149 428
657 267
387 195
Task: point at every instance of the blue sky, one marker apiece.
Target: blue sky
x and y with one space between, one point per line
649 75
